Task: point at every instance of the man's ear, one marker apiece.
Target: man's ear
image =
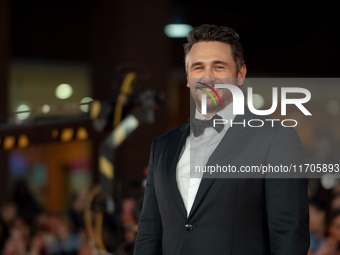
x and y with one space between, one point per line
241 75
188 82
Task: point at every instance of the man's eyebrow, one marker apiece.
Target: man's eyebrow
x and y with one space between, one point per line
214 62
196 64
221 62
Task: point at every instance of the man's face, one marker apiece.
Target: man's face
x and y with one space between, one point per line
212 63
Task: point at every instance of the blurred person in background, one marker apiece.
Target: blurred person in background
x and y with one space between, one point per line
335 202
8 212
3 234
37 245
317 225
60 240
27 207
128 223
19 237
7 216
84 247
75 211
331 246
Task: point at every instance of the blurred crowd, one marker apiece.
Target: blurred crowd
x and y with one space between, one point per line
324 222
26 228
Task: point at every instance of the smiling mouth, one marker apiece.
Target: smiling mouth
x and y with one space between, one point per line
205 84
210 89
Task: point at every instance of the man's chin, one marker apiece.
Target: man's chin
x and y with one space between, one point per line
211 109
214 109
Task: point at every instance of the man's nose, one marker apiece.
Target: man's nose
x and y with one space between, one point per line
208 73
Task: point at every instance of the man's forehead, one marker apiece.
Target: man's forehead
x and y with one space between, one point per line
210 51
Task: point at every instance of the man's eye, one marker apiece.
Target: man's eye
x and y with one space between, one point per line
219 67
197 68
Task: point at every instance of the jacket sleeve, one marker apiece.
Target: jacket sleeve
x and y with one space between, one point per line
286 199
149 235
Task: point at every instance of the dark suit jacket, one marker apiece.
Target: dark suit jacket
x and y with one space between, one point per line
229 216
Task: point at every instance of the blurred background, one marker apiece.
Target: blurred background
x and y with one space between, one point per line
87 85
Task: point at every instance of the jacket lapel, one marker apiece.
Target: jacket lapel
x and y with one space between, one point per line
174 149
232 140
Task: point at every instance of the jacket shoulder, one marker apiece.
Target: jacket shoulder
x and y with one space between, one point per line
182 129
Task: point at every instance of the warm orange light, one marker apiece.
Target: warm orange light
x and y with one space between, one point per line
23 141
67 134
9 142
82 133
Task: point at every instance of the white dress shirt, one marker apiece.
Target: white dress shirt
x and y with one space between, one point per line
194 154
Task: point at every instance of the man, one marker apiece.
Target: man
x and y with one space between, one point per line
200 216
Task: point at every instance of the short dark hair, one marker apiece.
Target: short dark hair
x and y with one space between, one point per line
208 33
